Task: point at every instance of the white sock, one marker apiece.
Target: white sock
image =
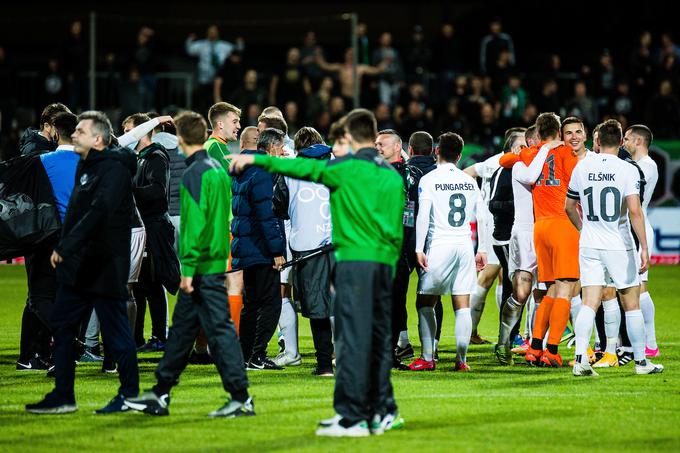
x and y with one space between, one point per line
403 339
527 317
612 322
477 301
436 344
647 309
635 324
499 296
583 329
532 315
288 326
463 332
575 307
332 319
510 314
427 327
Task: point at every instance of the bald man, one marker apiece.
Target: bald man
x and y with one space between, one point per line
248 139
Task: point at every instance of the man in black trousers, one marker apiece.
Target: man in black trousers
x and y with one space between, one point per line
92 260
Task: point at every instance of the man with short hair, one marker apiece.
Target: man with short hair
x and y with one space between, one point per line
448 198
202 302
45 139
608 191
92 260
367 199
636 141
258 249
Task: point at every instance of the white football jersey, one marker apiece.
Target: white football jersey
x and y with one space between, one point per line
601 182
449 199
651 172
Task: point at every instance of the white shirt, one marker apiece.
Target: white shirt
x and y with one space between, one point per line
485 170
651 172
523 179
449 199
602 182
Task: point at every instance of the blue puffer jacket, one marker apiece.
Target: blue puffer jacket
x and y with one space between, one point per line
258 234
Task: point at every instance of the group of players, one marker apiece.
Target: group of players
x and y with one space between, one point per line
568 227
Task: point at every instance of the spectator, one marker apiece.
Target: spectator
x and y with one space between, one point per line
391 78
667 48
605 77
513 101
452 120
336 108
669 70
230 75
582 105
308 53
622 103
529 115
53 83
548 99
249 92
131 94
144 59
663 112
211 53
40 141
642 66
252 114
291 83
319 101
416 119
75 58
364 56
291 113
383 116
258 249
345 71
493 44
448 56
499 71
418 57
488 132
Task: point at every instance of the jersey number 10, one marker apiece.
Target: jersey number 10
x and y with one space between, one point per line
603 204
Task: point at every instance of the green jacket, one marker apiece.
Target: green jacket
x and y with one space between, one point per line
205 201
367 202
217 149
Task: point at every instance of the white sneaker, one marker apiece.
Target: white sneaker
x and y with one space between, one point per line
583 369
648 368
379 425
284 359
359 429
330 421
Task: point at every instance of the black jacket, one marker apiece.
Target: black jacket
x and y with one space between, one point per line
177 167
411 175
258 234
502 204
151 181
32 143
425 163
95 239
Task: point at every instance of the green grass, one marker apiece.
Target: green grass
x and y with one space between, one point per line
493 408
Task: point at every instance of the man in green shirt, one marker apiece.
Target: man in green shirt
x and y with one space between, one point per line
367 205
204 249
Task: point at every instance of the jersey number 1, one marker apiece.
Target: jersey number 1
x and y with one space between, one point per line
551 181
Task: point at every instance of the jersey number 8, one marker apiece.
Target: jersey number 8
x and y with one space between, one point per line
457 204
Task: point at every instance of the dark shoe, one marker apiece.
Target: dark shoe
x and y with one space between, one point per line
89 356
109 366
404 353
625 357
262 363
34 364
234 409
51 404
153 345
117 404
150 403
200 358
323 372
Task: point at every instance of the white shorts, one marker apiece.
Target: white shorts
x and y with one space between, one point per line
649 232
451 270
137 244
491 257
599 267
522 252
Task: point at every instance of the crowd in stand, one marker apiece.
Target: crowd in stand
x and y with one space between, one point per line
426 83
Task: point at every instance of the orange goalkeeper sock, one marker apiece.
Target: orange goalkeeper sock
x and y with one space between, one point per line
235 306
559 317
541 322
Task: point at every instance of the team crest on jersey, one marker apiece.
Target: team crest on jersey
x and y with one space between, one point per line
83 179
420 189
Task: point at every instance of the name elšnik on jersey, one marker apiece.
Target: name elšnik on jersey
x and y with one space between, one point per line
601 177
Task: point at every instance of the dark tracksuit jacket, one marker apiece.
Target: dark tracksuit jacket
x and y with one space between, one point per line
367 206
204 250
32 143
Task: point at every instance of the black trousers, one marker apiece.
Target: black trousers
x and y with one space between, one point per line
363 343
42 289
261 309
322 334
405 266
207 307
503 253
71 307
148 289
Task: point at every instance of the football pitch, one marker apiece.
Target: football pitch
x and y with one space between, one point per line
491 409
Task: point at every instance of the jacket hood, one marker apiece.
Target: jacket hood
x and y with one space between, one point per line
166 139
318 151
125 156
31 138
